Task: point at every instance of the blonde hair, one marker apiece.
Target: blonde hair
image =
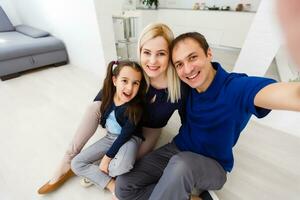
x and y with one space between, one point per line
152 31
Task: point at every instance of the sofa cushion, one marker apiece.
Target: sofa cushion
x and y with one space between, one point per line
30 31
15 44
5 24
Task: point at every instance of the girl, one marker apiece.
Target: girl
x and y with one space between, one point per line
164 96
121 111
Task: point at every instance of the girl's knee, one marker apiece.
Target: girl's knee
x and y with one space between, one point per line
117 169
77 165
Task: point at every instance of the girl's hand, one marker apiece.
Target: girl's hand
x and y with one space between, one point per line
104 164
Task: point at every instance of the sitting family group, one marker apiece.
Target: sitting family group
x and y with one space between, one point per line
136 102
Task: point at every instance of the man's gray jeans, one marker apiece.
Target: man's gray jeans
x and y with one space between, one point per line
169 174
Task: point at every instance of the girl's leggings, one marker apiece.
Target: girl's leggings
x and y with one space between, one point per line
86 163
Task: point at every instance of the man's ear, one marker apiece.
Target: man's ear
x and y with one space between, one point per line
209 54
114 80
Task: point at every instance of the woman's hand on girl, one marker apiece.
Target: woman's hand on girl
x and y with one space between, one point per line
104 164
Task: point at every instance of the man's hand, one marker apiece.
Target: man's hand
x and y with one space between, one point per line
104 164
289 16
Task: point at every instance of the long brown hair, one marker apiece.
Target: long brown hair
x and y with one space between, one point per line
135 107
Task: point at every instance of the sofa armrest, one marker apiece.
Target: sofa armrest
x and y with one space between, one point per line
31 31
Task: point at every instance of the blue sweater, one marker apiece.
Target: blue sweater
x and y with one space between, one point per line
216 117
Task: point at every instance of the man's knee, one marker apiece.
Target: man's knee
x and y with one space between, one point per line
179 165
197 170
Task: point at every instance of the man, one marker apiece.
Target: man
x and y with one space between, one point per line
219 105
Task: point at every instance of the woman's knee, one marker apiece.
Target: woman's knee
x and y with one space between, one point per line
94 108
71 152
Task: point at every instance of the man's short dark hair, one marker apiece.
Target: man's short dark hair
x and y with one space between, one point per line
198 37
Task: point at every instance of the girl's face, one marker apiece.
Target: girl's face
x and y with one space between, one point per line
127 84
155 57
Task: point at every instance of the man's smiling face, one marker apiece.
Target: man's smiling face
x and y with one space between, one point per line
193 66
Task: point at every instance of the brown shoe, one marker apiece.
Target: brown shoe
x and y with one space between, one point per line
51 187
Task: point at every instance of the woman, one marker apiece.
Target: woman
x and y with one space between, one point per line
162 99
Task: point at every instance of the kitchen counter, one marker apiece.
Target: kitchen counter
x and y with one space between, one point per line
190 9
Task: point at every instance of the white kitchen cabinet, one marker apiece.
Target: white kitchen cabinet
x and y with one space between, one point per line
221 28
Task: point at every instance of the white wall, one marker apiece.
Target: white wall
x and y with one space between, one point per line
117 6
220 28
104 11
262 42
285 65
85 27
73 21
260 48
10 10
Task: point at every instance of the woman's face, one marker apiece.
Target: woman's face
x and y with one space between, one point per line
155 57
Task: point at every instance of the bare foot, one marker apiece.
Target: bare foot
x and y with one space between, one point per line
193 197
111 187
114 197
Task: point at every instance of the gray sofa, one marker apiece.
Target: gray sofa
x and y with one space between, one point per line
23 47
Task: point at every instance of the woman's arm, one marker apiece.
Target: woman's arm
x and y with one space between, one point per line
280 96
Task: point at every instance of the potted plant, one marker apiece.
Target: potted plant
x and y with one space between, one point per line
150 3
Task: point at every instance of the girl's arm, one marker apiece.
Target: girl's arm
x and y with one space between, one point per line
280 96
125 135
